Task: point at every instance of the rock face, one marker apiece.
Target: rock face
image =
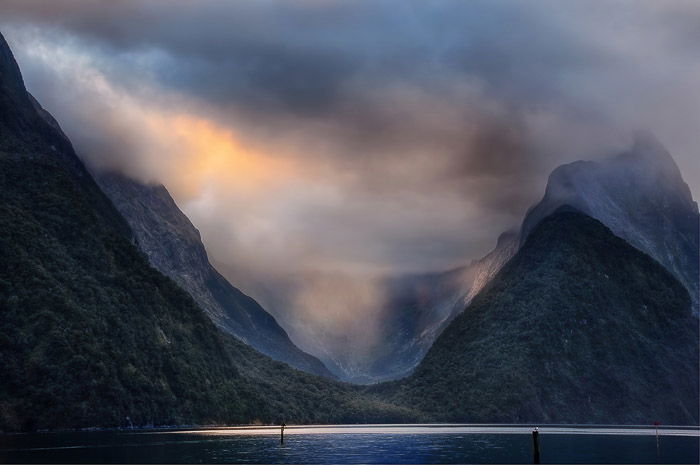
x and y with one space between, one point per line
578 327
420 307
174 247
487 267
641 196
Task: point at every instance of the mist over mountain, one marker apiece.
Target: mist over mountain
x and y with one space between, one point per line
91 335
173 246
638 193
416 308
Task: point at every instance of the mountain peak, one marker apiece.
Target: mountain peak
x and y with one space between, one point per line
649 161
16 109
641 196
9 70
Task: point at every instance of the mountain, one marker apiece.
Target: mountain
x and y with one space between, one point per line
92 335
174 247
578 327
641 196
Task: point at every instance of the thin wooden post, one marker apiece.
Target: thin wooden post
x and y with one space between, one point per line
536 445
656 424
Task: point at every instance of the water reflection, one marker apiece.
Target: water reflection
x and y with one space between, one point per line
349 444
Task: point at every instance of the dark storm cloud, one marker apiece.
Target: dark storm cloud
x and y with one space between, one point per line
223 51
300 55
267 79
281 66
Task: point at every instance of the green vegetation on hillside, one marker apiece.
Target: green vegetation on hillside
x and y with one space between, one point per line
90 334
578 327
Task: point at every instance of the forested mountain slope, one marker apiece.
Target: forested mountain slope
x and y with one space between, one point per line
174 247
579 327
92 335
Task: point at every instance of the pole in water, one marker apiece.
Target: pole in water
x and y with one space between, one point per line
536 445
656 423
282 433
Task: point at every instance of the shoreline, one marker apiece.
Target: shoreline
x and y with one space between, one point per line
468 428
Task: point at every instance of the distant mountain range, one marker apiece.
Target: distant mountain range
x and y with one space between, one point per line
639 194
421 306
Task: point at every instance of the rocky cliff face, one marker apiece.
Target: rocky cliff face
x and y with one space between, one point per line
487 267
174 247
641 196
420 307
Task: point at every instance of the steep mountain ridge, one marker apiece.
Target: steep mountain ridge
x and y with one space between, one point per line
578 327
487 267
92 335
174 247
25 129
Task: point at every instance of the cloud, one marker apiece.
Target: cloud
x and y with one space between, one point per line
317 142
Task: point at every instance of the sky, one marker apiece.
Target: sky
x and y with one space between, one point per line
321 144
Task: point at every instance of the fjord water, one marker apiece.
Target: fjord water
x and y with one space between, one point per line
357 444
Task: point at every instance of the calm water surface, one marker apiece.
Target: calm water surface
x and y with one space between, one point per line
358 444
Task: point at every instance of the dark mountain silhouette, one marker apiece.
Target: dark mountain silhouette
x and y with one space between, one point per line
92 335
578 327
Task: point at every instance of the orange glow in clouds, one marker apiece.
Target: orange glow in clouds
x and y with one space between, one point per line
201 153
